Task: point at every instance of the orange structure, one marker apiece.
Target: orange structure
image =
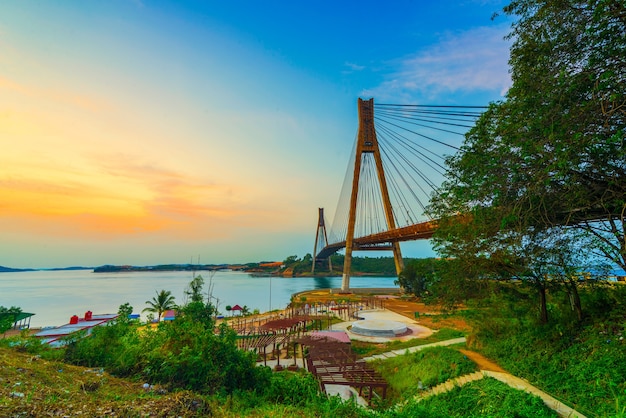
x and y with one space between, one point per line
367 143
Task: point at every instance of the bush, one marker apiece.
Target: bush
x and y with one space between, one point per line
184 353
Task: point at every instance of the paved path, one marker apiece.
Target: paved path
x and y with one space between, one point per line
507 378
517 383
402 351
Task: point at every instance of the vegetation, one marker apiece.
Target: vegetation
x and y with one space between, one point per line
368 349
8 316
540 179
483 398
35 386
380 266
412 373
162 302
531 217
194 290
583 364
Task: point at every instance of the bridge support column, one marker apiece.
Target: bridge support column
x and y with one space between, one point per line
321 240
367 143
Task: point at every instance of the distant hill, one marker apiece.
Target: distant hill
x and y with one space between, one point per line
161 267
69 268
11 270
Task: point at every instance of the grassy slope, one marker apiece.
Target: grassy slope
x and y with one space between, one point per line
32 386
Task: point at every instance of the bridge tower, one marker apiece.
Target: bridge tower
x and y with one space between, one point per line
367 143
321 240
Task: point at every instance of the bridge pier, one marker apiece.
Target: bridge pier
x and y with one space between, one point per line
345 283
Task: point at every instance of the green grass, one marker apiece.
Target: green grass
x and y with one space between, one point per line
483 398
582 364
368 349
429 366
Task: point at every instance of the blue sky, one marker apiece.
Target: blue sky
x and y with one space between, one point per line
145 132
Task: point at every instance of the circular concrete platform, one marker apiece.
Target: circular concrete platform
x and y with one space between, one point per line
379 328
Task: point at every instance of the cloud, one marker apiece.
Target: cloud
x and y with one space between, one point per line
121 197
473 61
352 68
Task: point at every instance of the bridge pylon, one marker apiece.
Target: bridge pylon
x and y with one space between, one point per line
367 143
321 240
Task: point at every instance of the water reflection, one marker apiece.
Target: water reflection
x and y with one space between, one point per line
322 283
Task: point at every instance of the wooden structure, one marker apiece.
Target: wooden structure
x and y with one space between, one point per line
334 363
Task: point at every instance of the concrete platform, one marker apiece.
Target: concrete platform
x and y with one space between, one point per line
413 330
379 328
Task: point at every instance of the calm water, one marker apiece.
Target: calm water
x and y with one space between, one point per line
54 296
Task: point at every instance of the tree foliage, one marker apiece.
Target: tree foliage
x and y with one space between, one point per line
162 302
551 157
194 290
8 317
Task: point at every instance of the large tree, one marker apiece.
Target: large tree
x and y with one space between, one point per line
552 154
565 116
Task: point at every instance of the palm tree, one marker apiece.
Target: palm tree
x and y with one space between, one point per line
161 303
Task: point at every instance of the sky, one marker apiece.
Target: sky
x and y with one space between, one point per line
148 132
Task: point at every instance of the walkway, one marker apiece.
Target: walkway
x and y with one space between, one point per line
499 374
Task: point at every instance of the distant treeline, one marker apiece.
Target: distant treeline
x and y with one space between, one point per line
161 267
378 266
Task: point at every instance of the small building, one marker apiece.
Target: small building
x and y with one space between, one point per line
55 336
21 320
168 315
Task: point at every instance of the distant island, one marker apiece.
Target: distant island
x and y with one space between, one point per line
167 267
292 266
12 270
4 269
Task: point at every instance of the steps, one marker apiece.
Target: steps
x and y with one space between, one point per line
452 383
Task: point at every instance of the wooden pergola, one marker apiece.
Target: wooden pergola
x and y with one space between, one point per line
333 362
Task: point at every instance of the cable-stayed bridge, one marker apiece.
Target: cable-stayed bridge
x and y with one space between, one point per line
396 165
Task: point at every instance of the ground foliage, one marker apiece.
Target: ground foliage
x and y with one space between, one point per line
582 364
483 398
31 385
185 353
366 349
411 373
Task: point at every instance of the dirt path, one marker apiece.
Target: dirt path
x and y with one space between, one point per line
430 316
483 362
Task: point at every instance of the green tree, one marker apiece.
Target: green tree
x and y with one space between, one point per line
292 259
8 317
417 275
162 302
124 312
194 290
564 116
551 155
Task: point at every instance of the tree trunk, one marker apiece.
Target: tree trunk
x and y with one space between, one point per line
574 299
543 307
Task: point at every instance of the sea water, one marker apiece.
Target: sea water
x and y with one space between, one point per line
54 296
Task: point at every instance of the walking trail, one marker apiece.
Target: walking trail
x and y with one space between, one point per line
487 369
